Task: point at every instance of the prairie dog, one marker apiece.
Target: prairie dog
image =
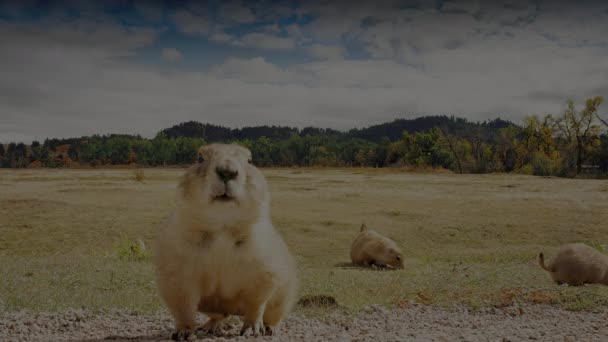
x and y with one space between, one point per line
218 253
370 248
577 264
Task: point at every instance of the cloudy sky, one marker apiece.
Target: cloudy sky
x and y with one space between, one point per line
78 68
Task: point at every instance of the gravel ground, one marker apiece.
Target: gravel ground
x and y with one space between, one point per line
415 323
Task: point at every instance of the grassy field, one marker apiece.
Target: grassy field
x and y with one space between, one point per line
469 239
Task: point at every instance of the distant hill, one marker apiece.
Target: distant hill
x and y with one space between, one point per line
453 125
392 130
459 145
215 133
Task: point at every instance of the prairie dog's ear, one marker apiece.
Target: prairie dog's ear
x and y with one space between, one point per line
202 151
363 227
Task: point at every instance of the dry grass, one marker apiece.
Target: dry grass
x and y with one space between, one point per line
67 236
139 175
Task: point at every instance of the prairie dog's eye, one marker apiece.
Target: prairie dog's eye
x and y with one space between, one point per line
398 258
200 158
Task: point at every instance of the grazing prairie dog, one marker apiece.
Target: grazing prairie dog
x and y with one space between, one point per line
370 248
577 264
218 253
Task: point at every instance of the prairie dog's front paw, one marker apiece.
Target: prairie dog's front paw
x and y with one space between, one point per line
256 327
183 335
212 325
270 331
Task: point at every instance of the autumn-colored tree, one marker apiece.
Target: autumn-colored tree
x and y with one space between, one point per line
119 149
17 155
464 151
36 149
164 150
538 149
449 141
187 149
4 161
144 152
578 130
262 151
397 151
602 155
507 147
598 100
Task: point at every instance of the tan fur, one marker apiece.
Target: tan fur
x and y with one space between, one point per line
223 256
577 264
370 248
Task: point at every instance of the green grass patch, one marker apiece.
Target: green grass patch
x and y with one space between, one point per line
466 239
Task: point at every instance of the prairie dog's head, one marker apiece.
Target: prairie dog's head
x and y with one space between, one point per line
392 257
223 171
224 177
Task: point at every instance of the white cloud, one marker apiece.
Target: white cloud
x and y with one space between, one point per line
171 54
187 22
326 51
462 6
272 29
271 11
220 37
68 80
294 30
87 95
254 70
582 26
334 21
412 38
363 74
388 31
238 13
97 38
265 41
332 29
149 11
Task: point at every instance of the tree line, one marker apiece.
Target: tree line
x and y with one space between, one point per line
566 145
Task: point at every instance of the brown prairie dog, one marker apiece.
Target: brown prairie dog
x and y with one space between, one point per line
370 248
577 264
219 253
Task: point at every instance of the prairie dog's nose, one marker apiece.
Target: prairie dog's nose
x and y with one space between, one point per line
226 174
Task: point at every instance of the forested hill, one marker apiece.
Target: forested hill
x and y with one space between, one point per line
393 130
456 126
564 146
214 133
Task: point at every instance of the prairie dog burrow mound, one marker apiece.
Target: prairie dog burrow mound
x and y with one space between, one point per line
577 264
318 301
372 249
218 253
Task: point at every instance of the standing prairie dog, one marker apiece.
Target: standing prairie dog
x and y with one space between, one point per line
219 253
370 248
577 264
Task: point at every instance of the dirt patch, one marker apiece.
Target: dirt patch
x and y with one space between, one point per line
96 190
303 188
320 301
27 204
35 179
375 323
